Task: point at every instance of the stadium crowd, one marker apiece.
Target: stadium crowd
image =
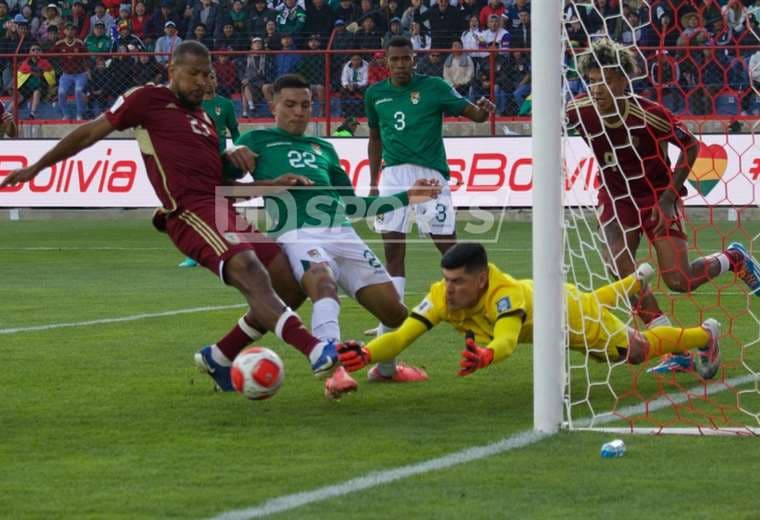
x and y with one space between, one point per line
698 56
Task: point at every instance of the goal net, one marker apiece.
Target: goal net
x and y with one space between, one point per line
701 63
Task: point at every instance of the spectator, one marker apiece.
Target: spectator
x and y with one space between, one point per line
694 33
24 40
139 20
51 38
155 26
415 13
272 39
576 36
481 88
521 33
291 18
28 13
494 8
495 33
80 19
165 45
472 39
367 37
126 38
312 68
260 15
367 9
420 40
347 11
709 11
99 98
394 29
51 16
354 81
124 16
112 6
120 73
101 16
521 77
735 15
226 75
288 61
632 33
470 8
393 10
459 69
256 74
319 19
445 24
239 18
595 18
347 128
5 17
209 15
73 71
148 70
378 69
35 77
230 38
430 64
98 41
342 39
201 34
753 14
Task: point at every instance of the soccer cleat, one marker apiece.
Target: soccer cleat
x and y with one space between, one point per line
404 374
339 383
674 363
707 360
188 262
748 270
324 359
374 331
217 372
644 273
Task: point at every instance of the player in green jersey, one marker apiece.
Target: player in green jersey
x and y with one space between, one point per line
222 113
405 117
312 223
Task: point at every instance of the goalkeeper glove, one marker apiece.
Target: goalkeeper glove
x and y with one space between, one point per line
353 356
474 357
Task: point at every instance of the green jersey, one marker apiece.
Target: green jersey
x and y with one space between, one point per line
410 119
329 202
222 113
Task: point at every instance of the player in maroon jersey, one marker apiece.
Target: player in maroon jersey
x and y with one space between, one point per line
180 148
640 192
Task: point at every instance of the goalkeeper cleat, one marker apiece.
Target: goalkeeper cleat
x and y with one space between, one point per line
748 269
372 332
188 262
674 363
404 374
324 359
220 374
707 360
339 383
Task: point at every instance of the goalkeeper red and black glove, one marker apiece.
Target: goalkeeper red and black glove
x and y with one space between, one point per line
353 356
474 357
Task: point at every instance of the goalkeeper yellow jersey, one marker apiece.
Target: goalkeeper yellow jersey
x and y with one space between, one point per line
503 317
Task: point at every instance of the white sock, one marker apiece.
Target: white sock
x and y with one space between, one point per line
659 321
324 319
399 282
723 260
219 357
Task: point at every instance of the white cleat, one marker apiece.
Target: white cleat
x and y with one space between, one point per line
645 273
373 332
707 360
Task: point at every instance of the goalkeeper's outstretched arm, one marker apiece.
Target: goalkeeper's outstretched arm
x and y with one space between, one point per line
505 336
353 356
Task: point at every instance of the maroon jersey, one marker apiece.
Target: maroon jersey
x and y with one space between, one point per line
632 153
179 145
71 64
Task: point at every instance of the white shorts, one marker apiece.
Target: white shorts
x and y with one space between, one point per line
436 217
354 264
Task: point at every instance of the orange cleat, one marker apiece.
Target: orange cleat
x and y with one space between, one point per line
404 374
339 383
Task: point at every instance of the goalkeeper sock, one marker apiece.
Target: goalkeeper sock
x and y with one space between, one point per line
324 319
675 340
227 348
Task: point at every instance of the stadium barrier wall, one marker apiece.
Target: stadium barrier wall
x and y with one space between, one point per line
489 173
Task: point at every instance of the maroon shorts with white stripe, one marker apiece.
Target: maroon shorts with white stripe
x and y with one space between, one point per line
211 232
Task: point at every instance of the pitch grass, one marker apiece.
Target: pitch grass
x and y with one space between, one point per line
112 421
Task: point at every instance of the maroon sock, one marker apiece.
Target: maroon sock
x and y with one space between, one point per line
735 259
294 333
235 341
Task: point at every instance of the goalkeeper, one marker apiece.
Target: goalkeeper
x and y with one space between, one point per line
493 309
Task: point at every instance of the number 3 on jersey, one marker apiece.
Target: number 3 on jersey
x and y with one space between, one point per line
399 120
302 159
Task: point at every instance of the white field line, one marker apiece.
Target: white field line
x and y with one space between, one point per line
378 478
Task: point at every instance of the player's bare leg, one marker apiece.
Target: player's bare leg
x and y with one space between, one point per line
620 257
394 244
444 242
320 286
284 283
382 300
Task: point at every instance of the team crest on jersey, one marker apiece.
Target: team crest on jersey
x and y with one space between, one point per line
317 149
415 97
218 110
503 305
314 253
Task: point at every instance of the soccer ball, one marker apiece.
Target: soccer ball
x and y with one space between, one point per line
257 373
